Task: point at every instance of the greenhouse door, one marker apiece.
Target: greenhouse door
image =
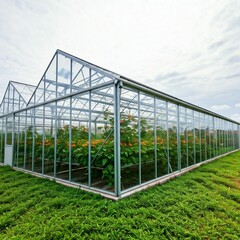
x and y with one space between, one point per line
8 156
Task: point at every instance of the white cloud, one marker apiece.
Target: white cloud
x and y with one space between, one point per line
236 117
237 105
220 107
186 48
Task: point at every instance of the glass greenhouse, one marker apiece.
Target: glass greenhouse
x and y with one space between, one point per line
86 126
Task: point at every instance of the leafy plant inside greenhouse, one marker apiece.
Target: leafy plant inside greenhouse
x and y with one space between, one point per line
89 127
134 132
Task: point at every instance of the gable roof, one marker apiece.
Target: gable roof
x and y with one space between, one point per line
16 97
67 74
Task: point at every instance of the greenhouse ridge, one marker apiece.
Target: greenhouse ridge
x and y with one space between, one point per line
86 126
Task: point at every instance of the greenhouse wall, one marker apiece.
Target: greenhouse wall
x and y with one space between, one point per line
93 128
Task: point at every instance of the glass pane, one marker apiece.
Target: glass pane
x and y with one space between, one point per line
147 138
62 151
79 142
183 137
29 134
49 136
2 139
102 144
129 139
172 133
161 128
39 137
9 130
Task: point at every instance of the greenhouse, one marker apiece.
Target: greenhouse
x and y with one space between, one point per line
88 127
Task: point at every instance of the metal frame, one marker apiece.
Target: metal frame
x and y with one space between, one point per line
93 91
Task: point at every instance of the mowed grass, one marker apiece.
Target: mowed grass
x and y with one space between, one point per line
203 204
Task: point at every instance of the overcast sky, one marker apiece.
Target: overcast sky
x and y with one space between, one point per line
189 48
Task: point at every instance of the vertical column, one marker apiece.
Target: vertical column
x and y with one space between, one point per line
194 143
25 142
18 139
70 127
55 117
13 131
178 139
238 136
209 137
70 141
55 139
90 130
43 139
155 136
186 130
117 160
168 158
200 136
139 142
33 138
205 136
90 140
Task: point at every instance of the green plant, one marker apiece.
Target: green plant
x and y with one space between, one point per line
203 204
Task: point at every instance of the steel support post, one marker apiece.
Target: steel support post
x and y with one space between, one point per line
90 130
70 141
70 127
155 136
33 139
13 130
18 139
186 137
55 124
139 142
200 136
89 140
168 157
117 160
238 136
178 139
194 140
205 137
43 139
25 142
233 136
55 140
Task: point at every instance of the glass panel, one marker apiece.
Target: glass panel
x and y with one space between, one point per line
190 138
2 139
102 144
202 137
62 152
172 132
64 74
16 140
129 139
39 138
79 142
161 128
207 137
147 138
29 134
49 134
9 130
236 137
21 121
183 137
197 129
80 76
212 136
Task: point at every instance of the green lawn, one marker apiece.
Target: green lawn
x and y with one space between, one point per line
203 204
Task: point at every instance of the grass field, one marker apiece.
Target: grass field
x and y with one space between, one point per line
203 204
